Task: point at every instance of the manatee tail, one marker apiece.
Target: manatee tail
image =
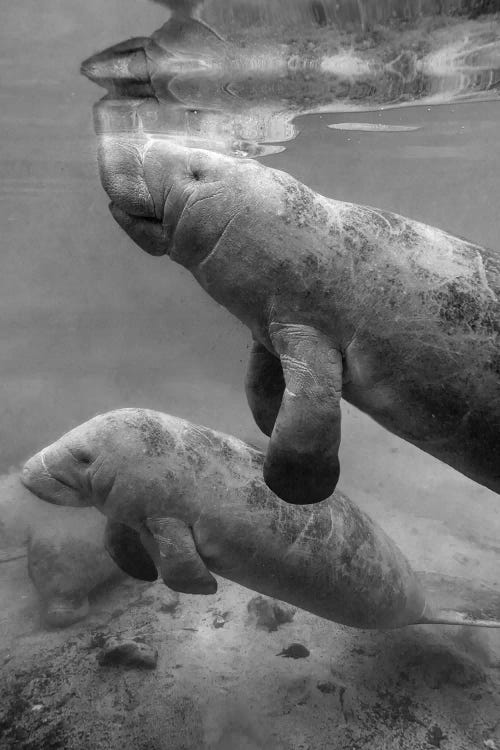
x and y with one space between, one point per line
454 617
459 601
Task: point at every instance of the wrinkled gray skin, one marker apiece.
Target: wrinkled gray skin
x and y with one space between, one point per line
190 500
193 500
400 318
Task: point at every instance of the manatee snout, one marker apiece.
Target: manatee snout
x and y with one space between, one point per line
150 234
137 183
56 486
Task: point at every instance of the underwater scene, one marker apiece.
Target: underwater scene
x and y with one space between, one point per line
250 434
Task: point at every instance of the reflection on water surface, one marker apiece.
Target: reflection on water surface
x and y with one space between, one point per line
242 88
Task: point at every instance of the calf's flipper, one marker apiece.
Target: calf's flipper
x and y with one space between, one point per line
125 547
181 566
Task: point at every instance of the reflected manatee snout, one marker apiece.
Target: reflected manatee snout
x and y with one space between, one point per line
249 83
115 67
123 67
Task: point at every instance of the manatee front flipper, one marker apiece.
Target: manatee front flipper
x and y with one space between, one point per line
125 547
181 566
264 386
302 465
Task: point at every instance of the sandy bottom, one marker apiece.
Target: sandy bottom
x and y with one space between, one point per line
220 684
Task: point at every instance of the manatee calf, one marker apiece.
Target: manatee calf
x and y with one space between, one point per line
400 318
197 498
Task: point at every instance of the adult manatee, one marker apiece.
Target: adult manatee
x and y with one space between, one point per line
194 499
400 318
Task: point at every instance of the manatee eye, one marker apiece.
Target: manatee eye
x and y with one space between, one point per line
196 166
81 455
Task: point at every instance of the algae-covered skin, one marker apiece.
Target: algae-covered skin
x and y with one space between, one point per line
400 318
192 500
199 495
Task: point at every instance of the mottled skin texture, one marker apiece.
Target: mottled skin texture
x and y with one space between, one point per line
197 496
399 318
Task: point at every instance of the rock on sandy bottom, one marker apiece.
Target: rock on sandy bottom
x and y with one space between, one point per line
127 652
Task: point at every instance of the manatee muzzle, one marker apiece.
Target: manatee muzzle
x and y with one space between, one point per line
55 486
150 234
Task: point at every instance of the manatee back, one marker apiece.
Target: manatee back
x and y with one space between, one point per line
329 558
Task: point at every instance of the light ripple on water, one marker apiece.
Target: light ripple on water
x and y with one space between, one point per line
376 127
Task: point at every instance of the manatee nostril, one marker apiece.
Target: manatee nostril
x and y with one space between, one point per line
196 174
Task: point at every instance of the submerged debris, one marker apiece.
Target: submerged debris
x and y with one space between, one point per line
269 614
295 651
170 603
327 687
220 619
435 736
127 653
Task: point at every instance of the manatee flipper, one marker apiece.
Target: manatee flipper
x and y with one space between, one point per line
264 387
302 464
125 547
181 566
